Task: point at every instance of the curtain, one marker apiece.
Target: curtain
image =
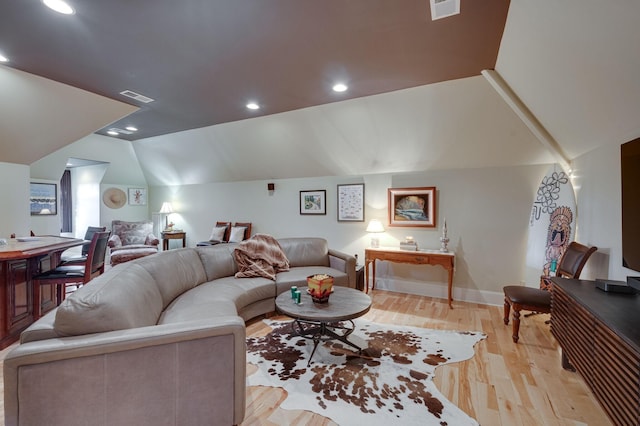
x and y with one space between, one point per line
65 201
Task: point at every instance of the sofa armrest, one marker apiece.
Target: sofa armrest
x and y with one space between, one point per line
114 241
169 348
345 263
152 240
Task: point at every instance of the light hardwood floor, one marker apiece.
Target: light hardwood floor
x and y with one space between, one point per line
504 384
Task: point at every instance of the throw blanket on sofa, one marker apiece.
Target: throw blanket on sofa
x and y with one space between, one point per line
260 256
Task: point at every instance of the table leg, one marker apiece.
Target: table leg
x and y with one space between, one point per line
450 288
366 276
321 332
373 274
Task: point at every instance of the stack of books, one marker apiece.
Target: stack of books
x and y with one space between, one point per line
408 244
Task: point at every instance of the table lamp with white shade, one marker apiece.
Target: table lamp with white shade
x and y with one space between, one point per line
166 209
375 227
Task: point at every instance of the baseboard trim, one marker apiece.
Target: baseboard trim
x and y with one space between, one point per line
439 290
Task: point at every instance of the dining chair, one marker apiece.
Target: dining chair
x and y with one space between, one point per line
81 259
64 275
517 297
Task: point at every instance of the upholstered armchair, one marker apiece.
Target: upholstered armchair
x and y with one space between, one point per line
131 240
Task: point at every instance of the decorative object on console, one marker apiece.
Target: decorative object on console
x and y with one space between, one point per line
412 207
320 287
166 210
375 227
444 240
408 244
313 202
351 203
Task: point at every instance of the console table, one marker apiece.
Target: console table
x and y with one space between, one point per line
173 235
599 334
419 257
19 261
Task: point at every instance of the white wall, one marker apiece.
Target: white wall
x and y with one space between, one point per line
487 212
122 171
86 199
598 190
14 193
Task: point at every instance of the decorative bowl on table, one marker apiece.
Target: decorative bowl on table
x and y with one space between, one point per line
320 287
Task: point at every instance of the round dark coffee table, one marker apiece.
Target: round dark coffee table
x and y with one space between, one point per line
325 321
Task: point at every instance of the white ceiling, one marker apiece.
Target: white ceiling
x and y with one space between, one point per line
575 64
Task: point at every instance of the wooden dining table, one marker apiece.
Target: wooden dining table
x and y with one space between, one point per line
20 259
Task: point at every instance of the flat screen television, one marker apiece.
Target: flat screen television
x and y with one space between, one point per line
630 174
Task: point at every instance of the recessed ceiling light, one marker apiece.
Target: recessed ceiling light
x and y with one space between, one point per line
112 133
340 87
59 6
3 58
253 105
131 128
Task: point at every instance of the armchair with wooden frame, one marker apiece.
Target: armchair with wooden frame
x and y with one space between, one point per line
538 300
64 275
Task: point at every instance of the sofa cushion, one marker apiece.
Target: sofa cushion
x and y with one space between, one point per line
239 292
305 251
218 260
298 277
179 311
175 272
245 291
126 297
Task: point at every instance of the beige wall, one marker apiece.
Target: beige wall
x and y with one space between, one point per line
486 209
14 193
487 212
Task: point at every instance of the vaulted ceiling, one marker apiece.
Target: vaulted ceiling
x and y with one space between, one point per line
416 97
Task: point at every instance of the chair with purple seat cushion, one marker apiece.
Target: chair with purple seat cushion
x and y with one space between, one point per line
538 300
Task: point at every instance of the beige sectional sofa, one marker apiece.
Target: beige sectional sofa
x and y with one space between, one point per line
156 341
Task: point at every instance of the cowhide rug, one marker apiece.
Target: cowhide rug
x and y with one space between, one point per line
390 382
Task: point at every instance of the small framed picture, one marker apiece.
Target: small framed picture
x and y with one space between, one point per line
412 207
313 202
43 199
351 203
138 196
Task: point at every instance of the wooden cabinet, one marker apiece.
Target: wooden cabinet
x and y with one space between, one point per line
599 334
19 261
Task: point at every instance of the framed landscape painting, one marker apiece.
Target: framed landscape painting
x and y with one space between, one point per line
351 203
412 207
43 199
313 202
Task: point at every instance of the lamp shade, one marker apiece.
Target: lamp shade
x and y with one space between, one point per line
375 226
166 208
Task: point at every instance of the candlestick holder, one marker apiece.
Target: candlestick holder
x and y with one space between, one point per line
444 240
